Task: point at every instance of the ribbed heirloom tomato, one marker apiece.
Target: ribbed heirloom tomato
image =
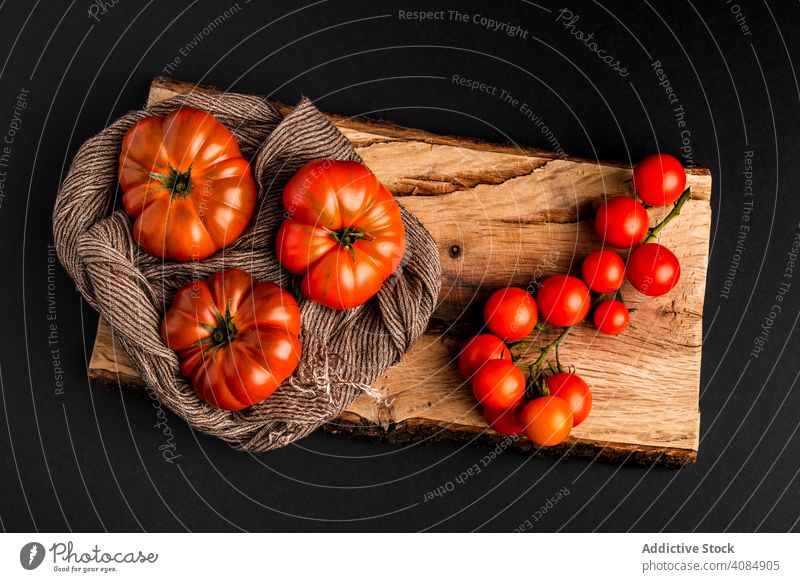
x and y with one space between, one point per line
186 185
344 235
236 338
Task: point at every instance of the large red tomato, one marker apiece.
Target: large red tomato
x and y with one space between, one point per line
186 185
344 234
563 300
236 338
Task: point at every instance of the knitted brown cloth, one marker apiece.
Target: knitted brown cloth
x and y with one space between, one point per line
343 351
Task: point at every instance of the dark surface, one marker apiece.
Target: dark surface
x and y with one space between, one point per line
90 460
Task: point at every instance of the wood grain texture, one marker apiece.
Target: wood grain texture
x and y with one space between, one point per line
503 215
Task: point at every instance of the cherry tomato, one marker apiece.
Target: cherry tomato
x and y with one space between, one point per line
653 269
659 179
621 222
505 421
563 300
547 421
498 384
603 271
574 391
479 350
510 313
611 317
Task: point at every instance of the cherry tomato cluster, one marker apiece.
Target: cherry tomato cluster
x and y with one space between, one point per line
544 407
551 400
622 222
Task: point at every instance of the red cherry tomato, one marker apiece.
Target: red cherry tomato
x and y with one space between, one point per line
505 421
603 271
479 350
621 222
653 269
611 317
563 300
547 421
498 384
510 313
574 391
659 179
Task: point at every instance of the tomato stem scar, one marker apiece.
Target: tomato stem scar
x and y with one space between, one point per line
177 182
222 333
349 236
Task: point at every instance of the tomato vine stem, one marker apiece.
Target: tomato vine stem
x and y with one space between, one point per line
536 366
676 210
546 349
534 369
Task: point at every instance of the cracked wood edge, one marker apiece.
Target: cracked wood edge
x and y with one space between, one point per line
363 133
533 179
414 431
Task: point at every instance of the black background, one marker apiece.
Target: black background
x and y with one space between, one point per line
89 459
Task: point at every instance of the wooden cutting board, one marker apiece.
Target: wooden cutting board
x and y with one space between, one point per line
504 215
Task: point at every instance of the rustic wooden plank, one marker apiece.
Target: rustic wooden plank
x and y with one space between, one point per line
504 215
